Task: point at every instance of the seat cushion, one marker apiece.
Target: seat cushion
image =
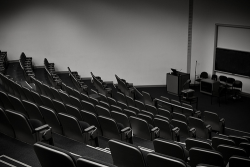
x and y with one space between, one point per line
84 125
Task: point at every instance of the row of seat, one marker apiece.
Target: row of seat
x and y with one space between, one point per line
26 65
101 86
3 62
126 88
78 82
51 73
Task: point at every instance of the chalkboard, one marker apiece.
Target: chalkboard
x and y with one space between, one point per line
232 61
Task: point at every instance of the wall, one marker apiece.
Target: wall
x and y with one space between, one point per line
137 40
206 14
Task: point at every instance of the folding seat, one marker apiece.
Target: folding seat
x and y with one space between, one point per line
104 104
51 156
114 130
76 93
130 101
176 105
143 130
120 97
75 102
218 124
129 113
47 102
202 130
164 103
151 109
188 110
93 101
247 137
22 95
5 125
120 118
170 148
237 139
18 105
161 117
165 113
78 130
135 109
204 144
74 111
111 101
140 105
102 97
28 130
157 160
246 147
65 97
125 87
36 97
147 113
184 130
14 89
102 111
50 117
218 140
91 119
89 107
228 151
41 87
38 89
116 108
130 156
235 161
28 94
179 116
204 156
6 101
90 162
146 117
168 131
48 91
147 98
59 106
33 111
122 105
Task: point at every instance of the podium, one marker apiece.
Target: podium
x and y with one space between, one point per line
175 82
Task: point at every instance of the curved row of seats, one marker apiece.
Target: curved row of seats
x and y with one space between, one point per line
3 62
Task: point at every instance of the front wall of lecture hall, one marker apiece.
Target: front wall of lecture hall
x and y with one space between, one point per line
139 41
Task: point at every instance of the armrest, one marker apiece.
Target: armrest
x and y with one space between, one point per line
90 128
176 133
209 127
125 129
198 114
155 129
193 132
222 120
46 126
176 130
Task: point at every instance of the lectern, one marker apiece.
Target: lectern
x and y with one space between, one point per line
175 82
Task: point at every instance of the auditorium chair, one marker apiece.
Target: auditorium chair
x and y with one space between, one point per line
146 117
28 94
164 104
102 111
246 147
104 104
179 116
87 106
91 119
147 113
5 125
48 91
122 105
75 102
235 161
84 97
211 118
18 105
165 113
125 154
184 130
120 98
29 130
121 118
33 111
147 98
202 131
204 156
140 105
6 101
37 98
55 93
218 140
237 89
143 130
22 95
101 86
130 101
151 109
50 117
214 77
223 80
78 130
159 160
116 108
26 66
176 106
227 151
93 101
124 87
47 102
111 101
90 162
64 96
59 106
192 142
115 130
135 109
129 113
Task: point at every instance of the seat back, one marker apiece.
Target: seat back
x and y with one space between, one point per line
235 161
103 111
165 113
120 97
91 119
48 91
76 102
140 105
109 128
65 97
51 156
20 123
140 128
151 109
147 98
120 118
5 125
74 111
28 94
217 140
130 101
166 130
179 116
157 160
50 117
238 139
169 148
184 131
246 147
199 125
47 102
204 75
89 107
191 142
18 105
204 156
33 111
176 106
111 101
212 119
59 106
135 109
6 101
90 162
228 151
130 156
37 98
55 93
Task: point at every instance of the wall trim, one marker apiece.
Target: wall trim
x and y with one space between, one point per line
13 61
149 86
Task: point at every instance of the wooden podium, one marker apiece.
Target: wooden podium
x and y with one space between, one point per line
175 82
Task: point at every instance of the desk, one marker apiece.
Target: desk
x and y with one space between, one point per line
175 82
